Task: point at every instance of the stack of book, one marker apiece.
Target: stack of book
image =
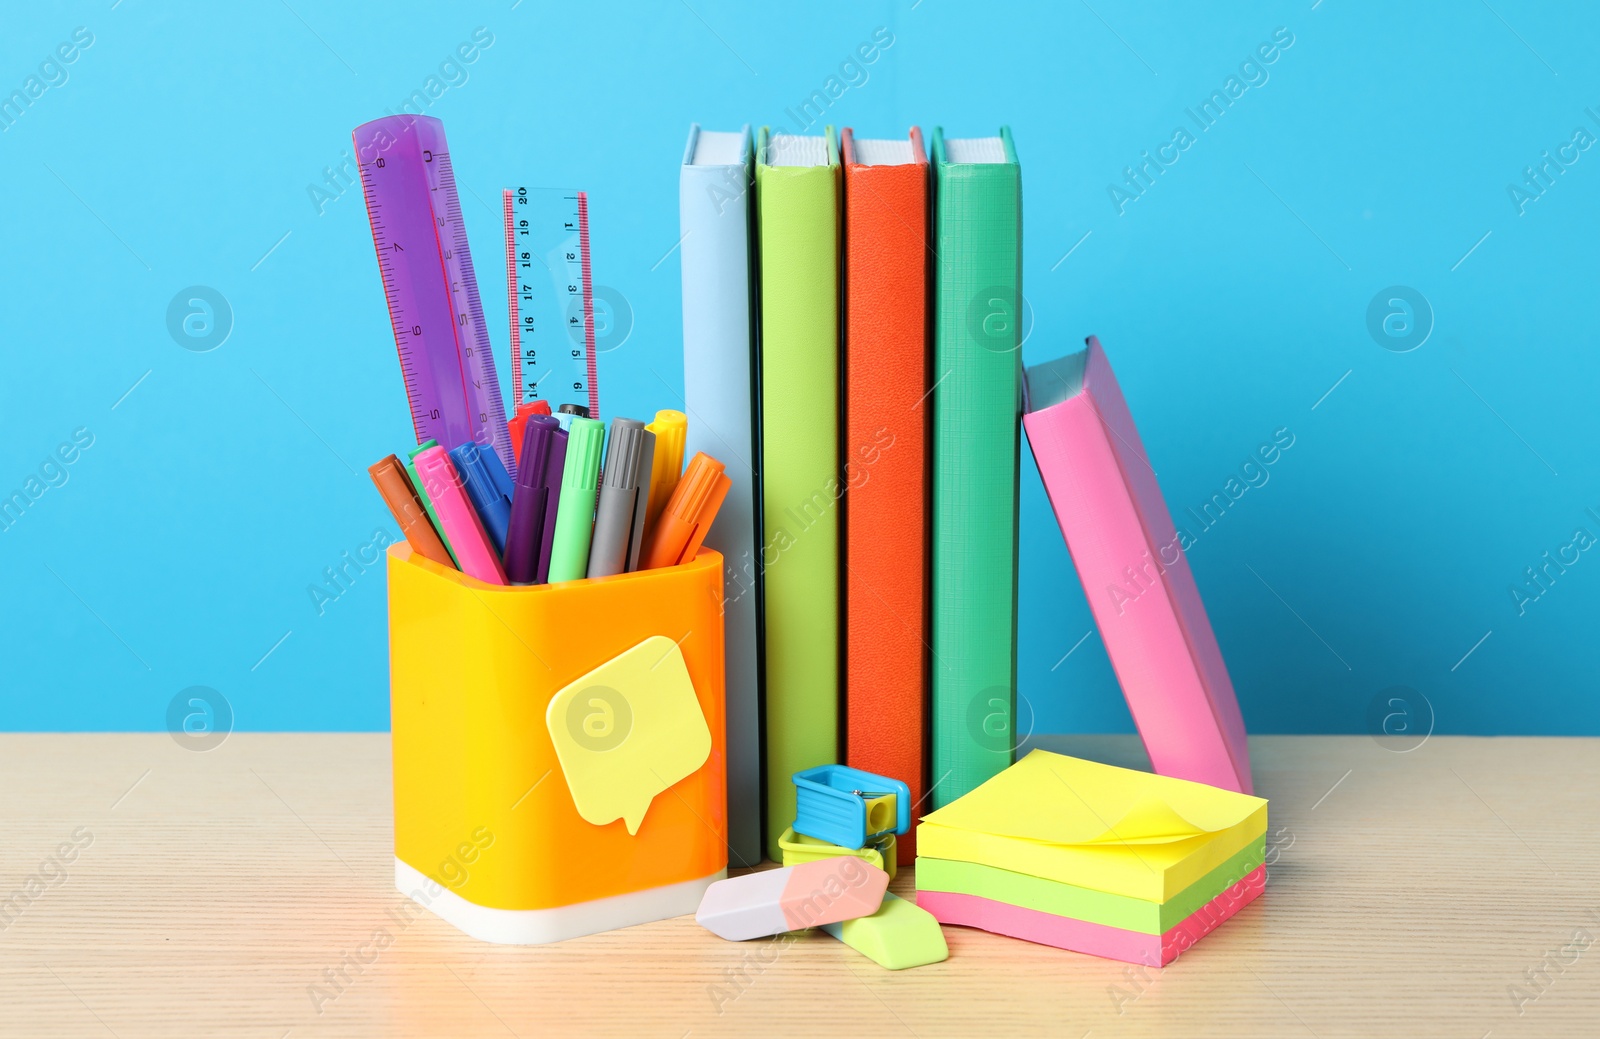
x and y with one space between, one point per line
1093 858
853 326
870 529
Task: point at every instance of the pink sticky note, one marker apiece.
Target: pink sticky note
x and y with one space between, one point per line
1113 943
811 894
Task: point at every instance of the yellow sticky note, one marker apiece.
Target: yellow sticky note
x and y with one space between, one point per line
1093 825
628 730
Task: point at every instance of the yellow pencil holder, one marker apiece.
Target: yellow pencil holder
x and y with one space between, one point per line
504 758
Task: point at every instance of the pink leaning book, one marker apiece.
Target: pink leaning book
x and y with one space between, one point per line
1134 571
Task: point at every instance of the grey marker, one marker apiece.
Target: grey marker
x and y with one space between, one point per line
624 495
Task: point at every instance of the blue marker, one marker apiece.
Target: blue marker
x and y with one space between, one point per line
488 488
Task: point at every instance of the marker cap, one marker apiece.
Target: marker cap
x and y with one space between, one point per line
389 476
457 517
534 502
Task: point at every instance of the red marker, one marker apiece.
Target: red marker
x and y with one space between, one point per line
519 422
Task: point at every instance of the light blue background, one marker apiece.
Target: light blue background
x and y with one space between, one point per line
1230 297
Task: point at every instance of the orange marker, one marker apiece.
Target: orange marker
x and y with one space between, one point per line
398 493
688 514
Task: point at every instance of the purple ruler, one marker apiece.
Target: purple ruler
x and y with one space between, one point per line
429 283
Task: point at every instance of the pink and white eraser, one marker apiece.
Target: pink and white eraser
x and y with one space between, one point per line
811 894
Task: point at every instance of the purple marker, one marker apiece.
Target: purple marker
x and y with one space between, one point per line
534 501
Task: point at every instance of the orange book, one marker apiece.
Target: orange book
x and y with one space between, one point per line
884 460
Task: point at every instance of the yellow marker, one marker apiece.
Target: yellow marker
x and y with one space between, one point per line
628 730
670 428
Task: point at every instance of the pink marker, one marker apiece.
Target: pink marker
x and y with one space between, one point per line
468 539
827 891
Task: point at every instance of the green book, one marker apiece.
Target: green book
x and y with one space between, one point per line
797 220
976 408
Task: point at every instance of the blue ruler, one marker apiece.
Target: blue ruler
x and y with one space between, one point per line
550 298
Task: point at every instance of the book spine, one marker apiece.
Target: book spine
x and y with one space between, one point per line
714 219
798 235
977 344
884 462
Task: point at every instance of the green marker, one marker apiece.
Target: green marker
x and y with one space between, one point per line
427 502
569 552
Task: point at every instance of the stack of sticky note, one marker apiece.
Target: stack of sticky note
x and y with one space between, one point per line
1093 858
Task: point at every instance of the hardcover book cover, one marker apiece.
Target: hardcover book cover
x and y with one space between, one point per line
1135 572
797 228
714 217
977 357
884 459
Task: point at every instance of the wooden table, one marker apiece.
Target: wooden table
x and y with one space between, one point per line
210 893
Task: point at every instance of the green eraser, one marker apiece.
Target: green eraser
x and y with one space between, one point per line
897 936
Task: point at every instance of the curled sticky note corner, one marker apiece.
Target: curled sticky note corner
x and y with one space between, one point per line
627 731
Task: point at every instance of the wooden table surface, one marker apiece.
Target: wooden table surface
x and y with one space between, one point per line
1452 890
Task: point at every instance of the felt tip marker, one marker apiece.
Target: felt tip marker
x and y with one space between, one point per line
457 517
389 476
488 488
537 497
569 554
624 494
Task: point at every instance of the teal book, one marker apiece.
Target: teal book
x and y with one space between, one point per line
977 217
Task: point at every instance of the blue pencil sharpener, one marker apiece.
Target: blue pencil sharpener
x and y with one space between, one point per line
849 807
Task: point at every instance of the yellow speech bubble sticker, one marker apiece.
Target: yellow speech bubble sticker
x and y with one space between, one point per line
628 730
